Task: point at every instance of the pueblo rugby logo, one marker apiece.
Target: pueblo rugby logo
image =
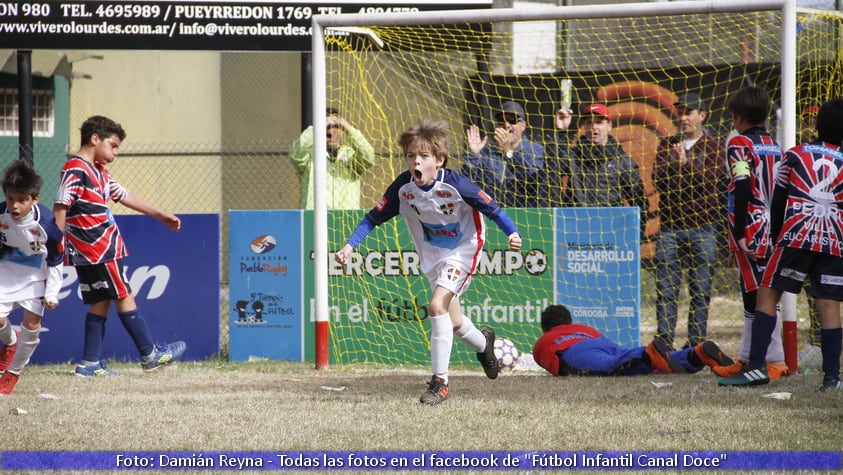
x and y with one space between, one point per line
263 244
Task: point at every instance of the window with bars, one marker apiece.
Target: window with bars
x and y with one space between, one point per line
43 113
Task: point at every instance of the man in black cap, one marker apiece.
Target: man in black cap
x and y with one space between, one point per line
687 170
511 167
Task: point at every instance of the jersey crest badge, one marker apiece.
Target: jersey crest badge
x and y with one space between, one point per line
453 274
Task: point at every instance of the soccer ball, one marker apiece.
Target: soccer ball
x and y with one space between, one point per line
810 358
506 353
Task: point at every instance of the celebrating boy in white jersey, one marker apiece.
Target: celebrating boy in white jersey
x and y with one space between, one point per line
442 210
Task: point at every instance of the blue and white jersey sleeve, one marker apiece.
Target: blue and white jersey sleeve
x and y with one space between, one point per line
478 199
388 207
473 195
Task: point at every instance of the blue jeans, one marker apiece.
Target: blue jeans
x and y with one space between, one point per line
696 251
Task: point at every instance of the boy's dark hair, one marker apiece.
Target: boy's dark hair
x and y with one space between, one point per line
433 134
751 103
21 177
830 122
332 111
102 126
555 315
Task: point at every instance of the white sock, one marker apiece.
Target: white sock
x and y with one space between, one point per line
470 335
27 343
7 336
746 336
775 352
441 340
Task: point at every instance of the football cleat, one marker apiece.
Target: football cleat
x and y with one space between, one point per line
711 355
831 383
96 369
436 392
7 354
487 357
659 355
7 383
748 377
777 370
164 355
774 370
730 370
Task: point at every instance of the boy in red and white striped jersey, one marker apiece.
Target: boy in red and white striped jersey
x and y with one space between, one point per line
96 248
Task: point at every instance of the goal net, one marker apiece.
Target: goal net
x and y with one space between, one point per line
384 72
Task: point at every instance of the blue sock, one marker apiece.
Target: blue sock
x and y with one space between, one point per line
832 345
136 326
94 335
762 332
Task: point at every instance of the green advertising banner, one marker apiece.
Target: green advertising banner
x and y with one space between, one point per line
378 300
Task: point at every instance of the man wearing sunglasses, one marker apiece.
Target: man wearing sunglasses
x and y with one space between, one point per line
349 156
507 164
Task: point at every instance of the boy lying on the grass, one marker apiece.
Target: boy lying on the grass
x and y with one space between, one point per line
572 349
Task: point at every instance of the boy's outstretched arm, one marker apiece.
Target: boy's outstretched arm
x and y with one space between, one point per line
513 237
140 205
367 224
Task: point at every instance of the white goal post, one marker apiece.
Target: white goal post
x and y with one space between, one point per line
321 23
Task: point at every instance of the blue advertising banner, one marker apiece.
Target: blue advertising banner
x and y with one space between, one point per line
598 265
176 283
266 290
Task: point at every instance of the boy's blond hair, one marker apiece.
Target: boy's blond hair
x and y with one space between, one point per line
426 134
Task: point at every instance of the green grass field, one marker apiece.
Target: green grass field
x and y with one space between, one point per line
278 406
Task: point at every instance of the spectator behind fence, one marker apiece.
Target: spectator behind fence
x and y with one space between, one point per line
600 172
349 156
687 169
510 167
